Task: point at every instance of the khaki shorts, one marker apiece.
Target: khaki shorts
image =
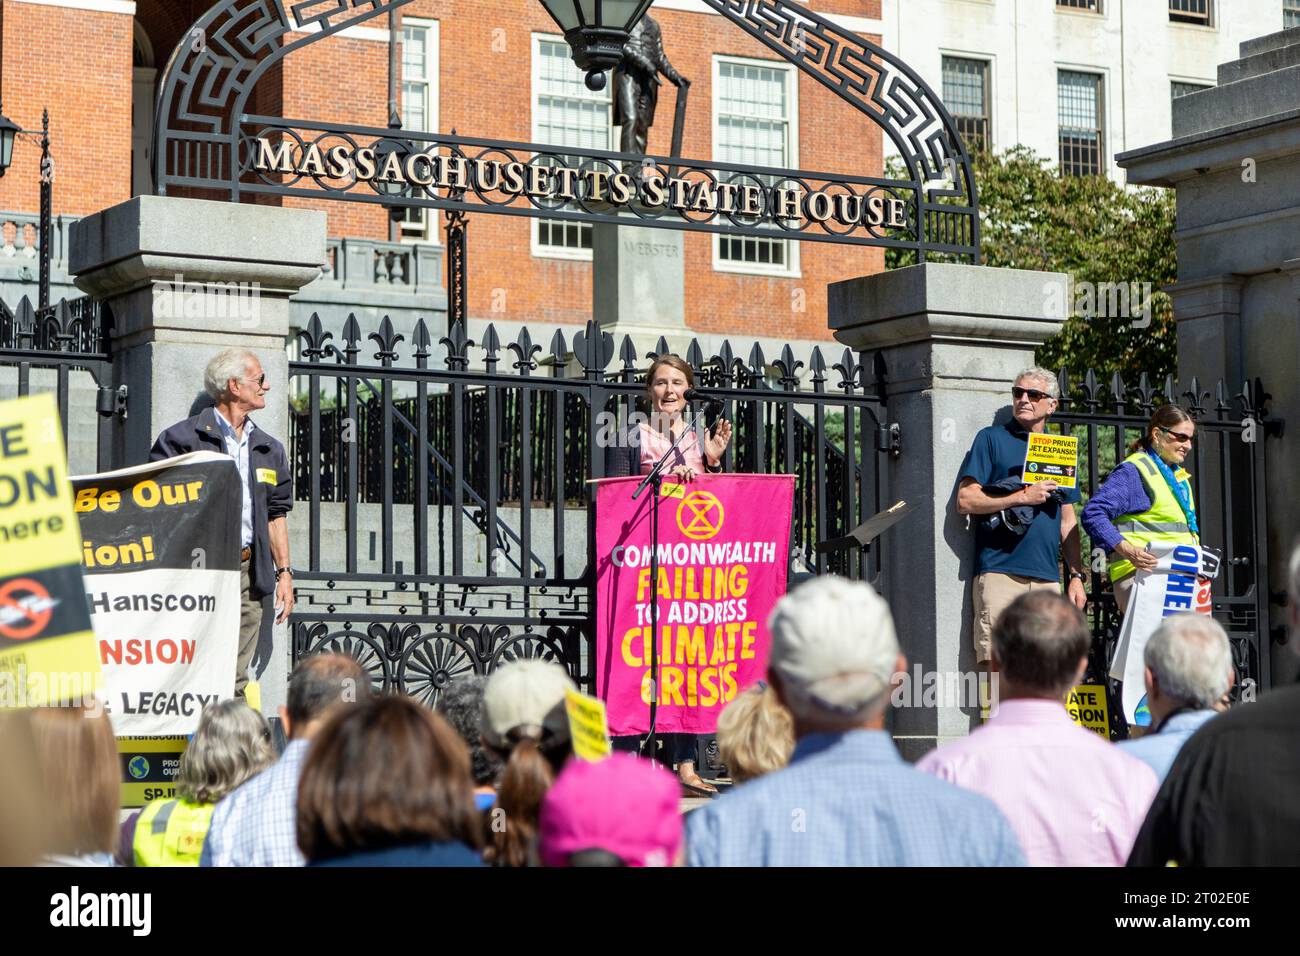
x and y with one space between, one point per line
991 593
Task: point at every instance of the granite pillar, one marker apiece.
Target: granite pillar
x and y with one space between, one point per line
184 279
953 338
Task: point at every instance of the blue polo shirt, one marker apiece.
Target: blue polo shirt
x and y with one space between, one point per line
997 453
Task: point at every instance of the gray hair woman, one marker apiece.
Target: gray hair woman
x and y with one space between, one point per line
232 745
1146 500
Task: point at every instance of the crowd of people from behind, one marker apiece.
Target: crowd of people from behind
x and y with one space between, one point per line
488 777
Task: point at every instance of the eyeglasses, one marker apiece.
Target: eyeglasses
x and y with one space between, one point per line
1177 436
1034 394
260 381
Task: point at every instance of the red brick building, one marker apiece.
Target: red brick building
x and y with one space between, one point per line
488 68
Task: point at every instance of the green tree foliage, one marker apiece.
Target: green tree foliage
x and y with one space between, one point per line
1102 235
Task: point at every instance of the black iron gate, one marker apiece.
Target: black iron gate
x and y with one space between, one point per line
447 526
49 349
1233 431
446 498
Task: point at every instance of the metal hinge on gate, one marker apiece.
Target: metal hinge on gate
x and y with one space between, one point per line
889 438
111 401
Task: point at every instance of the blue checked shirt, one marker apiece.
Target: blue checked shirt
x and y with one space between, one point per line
256 825
850 800
1158 751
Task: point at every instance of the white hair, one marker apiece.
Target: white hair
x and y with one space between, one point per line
225 365
1190 659
1045 377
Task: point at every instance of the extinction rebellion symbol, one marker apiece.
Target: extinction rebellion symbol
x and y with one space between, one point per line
699 516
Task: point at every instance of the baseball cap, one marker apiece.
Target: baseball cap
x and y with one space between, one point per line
624 806
527 694
833 643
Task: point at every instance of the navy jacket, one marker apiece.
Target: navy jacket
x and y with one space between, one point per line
411 854
270 499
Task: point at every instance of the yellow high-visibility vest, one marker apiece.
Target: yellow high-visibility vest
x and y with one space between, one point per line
1164 522
171 833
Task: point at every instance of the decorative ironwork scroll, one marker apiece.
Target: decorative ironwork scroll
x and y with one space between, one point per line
207 139
215 68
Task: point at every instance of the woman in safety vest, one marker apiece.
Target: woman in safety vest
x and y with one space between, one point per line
1146 500
232 744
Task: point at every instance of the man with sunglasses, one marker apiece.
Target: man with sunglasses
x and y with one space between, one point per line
1009 562
237 385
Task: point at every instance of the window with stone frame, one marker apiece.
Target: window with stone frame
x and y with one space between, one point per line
966 94
1080 134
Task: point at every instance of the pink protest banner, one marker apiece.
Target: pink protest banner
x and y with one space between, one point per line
724 542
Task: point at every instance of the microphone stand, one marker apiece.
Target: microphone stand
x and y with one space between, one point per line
654 480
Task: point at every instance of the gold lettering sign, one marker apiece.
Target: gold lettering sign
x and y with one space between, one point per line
426 172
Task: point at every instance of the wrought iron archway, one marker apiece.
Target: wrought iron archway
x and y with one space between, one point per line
204 132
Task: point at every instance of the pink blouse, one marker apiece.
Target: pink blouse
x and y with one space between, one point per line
654 444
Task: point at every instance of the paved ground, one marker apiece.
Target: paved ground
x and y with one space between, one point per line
694 803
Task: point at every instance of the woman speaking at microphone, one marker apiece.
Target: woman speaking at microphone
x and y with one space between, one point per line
636 453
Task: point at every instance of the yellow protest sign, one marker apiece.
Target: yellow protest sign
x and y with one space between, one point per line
47 647
150 766
1086 704
588 727
1052 458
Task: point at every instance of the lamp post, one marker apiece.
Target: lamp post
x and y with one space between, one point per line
457 224
9 132
383 148
596 31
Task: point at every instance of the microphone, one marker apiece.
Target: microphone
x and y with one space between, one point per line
695 395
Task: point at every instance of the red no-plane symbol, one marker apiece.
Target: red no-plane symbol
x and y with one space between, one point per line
25 608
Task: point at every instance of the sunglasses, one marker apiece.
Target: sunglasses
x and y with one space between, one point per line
1177 436
1034 394
260 381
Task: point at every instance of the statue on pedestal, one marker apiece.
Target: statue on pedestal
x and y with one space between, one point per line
636 84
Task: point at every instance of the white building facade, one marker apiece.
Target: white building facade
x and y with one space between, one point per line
1077 81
